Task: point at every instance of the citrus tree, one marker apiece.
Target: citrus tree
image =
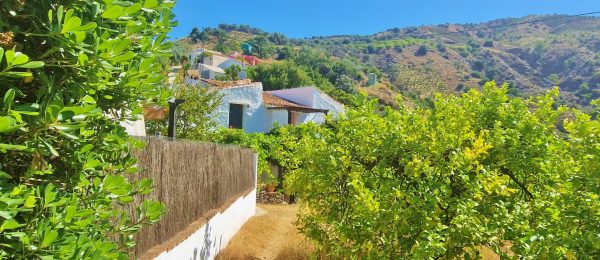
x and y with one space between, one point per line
69 73
520 177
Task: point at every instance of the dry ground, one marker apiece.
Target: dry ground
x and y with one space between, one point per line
271 235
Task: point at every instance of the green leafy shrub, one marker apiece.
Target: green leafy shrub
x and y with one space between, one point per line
70 73
441 47
519 177
194 119
277 147
231 74
422 51
225 43
476 74
263 47
281 75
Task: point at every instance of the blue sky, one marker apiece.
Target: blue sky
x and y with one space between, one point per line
305 18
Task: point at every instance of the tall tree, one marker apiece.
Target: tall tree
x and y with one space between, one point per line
263 47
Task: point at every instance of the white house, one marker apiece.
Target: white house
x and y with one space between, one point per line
250 108
194 56
222 62
211 64
209 71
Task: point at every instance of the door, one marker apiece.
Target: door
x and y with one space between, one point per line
294 118
236 116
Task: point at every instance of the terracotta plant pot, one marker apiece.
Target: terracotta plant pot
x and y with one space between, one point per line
154 113
270 188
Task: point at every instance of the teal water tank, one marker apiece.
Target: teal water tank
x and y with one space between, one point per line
247 48
372 79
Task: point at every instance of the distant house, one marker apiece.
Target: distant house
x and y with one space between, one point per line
252 60
197 55
213 66
221 61
210 72
248 107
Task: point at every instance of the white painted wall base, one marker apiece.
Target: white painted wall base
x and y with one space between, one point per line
210 239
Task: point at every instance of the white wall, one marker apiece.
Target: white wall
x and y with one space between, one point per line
213 74
323 101
256 115
135 128
314 98
210 239
194 55
257 118
210 72
277 116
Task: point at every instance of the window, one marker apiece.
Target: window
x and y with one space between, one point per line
236 116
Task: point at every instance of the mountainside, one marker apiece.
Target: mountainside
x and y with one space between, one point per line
531 54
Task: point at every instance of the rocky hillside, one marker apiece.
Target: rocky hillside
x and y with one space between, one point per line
532 54
529 56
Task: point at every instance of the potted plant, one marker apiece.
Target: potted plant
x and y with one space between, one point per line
271 185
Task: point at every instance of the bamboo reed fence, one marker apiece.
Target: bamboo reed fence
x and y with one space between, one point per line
193 180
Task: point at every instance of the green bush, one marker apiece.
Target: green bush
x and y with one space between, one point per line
69 74
277 147
280 75
476 74
481 170
263 47
422 51
441 47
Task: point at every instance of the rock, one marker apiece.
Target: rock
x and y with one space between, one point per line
270 198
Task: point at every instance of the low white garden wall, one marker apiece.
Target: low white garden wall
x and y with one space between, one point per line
210 239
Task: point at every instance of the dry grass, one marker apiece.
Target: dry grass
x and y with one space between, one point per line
270 236
274 236
383 93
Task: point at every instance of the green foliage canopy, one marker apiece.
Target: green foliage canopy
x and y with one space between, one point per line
280 75
194 119
69 75
263 47
481 170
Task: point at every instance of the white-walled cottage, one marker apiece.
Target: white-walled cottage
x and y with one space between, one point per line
210 64
248 107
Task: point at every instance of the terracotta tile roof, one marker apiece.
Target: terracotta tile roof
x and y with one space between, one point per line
275 102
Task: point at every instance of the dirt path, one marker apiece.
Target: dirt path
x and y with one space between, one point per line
269 235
